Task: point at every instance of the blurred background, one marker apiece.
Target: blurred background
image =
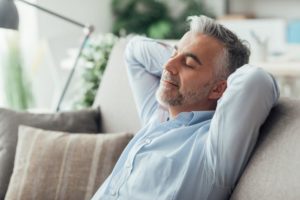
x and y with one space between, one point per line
36 60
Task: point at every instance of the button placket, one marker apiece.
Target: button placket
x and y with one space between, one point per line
147 141
118 182
127 165
113 192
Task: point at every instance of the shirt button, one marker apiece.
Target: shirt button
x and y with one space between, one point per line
113 192
148 141
127 165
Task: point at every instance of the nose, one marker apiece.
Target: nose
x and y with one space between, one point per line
172 65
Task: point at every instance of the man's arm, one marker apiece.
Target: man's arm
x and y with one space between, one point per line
243 108
145 59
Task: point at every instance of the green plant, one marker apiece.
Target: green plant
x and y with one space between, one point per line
154 18
17 90
94 60
134 16
191 7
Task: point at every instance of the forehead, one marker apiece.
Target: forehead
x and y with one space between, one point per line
200 44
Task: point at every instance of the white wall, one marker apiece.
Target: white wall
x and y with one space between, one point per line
217 6
55 37
287 9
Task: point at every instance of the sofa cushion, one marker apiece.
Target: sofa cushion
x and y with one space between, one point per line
57 165
114 96
273 171
80 121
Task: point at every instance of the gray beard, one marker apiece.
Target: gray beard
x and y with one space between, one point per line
190 97
166 102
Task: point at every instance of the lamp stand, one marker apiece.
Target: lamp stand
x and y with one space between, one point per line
88 33
88 30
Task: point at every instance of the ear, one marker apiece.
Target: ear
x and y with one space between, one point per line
217 90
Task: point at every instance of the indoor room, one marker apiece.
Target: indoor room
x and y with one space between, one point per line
121 99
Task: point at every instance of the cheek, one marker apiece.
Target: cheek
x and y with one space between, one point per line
194 81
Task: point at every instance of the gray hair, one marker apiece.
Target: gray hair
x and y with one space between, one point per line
236 52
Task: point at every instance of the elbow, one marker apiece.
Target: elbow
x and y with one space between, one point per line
131 46
129 56
268 83
257 82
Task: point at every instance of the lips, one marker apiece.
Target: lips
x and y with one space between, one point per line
169 79
170 82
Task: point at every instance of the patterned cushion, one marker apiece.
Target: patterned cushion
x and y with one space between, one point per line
75 121
58 165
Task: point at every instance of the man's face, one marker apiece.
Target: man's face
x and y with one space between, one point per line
189 75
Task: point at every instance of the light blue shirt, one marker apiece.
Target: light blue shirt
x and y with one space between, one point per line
196 155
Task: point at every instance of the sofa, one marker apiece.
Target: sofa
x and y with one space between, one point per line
272 173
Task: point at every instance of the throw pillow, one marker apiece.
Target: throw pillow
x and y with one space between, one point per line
79 121
57 165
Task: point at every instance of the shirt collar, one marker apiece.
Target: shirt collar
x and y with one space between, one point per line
190 118
186 118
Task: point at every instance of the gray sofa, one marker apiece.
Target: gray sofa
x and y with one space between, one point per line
273 170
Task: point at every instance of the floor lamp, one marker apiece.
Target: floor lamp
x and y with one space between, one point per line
9 18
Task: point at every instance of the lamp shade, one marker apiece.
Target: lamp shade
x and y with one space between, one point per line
9 17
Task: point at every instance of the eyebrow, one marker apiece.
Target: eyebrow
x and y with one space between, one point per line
191 55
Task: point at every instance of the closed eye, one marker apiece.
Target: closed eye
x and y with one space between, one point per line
190 62
194 58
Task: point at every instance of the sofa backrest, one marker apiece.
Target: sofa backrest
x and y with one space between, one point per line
273 172
114 96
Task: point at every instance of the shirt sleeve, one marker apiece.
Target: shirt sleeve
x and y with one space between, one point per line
243 108
145 58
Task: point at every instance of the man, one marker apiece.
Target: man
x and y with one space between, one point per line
200 120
